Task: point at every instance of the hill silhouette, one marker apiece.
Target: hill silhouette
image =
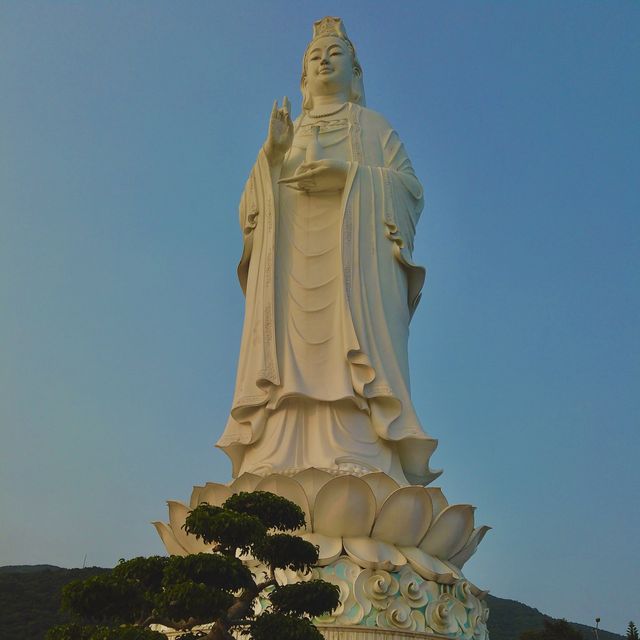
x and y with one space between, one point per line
30 601
509 618
30 598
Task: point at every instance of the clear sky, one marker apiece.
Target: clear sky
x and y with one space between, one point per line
127 130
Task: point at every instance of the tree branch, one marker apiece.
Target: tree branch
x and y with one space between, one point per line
179 625
265 585
219 631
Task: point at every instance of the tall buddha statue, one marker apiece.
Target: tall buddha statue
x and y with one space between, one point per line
328 217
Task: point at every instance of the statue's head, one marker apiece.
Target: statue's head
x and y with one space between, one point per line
330 63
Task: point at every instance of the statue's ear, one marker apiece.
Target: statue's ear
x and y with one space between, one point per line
307 100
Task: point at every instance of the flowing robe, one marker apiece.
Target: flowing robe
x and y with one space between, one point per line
355 416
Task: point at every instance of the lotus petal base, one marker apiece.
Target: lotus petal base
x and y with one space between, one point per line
396 553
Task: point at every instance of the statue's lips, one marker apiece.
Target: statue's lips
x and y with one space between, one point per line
325 71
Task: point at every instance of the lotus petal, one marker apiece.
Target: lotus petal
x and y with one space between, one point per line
212 493
329 548
404 517
373 554
429 568
437 499
312 480
382 486
173 547
291 490
479 593
345 507
449 532
457 574
177 515
194 501
469 549
245 482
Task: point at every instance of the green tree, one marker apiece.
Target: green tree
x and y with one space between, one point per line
632 631
186 592
553 630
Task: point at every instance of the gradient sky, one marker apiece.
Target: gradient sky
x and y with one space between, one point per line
127 130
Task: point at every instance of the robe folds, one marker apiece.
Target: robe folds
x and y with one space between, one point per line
276 409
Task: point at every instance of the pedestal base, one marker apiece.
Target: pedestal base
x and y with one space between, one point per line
384 605
349 633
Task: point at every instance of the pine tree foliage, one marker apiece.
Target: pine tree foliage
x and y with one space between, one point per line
632 631
215 589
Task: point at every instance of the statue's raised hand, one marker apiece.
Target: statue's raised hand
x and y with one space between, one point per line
280 134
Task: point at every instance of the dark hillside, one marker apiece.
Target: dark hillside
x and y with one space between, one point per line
27 568
30 599
509 618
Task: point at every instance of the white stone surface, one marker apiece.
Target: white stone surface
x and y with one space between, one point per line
328 217
369 518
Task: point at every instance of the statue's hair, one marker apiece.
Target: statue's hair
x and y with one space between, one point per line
357 84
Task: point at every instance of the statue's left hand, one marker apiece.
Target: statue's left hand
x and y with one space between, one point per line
319 175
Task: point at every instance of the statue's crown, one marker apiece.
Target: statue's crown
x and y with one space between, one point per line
330 26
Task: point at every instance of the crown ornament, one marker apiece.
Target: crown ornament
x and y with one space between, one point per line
329 26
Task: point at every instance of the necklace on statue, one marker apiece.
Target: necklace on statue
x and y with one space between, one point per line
324 114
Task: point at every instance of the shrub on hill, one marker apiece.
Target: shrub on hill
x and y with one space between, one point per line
553 630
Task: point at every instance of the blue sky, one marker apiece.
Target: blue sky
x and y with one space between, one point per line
126 133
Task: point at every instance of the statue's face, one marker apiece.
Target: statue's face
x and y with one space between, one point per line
329 66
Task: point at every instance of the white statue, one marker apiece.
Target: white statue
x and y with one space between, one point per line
328 215
322 393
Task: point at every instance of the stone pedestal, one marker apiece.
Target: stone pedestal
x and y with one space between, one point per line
382 604
349 633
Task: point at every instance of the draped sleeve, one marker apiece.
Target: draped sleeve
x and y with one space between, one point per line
383 160
402 215
248 213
